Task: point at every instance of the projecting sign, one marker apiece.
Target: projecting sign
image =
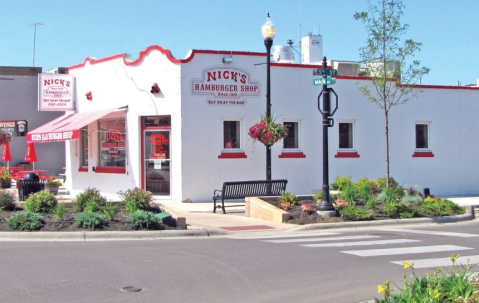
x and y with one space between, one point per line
55 92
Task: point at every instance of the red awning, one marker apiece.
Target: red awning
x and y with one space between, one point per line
66 127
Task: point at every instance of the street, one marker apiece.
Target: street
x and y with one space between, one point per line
340 265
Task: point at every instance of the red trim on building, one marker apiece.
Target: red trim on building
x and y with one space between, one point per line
419 154
347 155
292 155
232 156
165 52
110 170
83 169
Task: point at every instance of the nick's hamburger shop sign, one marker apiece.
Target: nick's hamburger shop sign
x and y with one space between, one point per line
55 92
225 86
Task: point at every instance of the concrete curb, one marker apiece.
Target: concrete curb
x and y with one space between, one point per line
448 219
103 235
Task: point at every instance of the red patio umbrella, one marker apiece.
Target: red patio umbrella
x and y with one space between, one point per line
6 156
30 155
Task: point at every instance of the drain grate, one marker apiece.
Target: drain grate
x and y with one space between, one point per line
131 289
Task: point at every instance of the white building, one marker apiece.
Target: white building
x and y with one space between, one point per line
179 128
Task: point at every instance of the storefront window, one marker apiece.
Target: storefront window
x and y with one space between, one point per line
112 145
231 134
84 147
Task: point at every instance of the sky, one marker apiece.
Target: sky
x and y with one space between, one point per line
72 30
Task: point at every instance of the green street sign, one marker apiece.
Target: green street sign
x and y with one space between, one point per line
325 72
324 81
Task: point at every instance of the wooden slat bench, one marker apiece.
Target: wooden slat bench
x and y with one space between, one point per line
241 189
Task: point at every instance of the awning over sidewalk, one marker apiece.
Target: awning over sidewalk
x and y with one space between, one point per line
66 127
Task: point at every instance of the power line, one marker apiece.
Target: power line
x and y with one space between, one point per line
34 39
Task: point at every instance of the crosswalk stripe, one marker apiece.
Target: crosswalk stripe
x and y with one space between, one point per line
404 250
440 262
259 237
361 243
321 239
439 233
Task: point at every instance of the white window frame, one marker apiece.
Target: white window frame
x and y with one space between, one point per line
83 148
295 120
240 134
428 123
353 122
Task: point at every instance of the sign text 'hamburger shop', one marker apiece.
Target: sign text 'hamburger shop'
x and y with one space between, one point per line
225 86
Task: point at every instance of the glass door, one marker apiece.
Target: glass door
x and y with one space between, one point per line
157 161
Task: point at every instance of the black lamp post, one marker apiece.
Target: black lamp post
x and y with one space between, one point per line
268 31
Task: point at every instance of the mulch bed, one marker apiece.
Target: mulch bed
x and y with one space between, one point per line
68 222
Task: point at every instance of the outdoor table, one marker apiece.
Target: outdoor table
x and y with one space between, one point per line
22 173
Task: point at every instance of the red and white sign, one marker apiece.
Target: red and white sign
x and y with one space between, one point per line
226 85
113 143
55 92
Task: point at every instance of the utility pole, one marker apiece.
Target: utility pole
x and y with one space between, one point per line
34 39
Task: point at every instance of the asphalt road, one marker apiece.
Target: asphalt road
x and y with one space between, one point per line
344 266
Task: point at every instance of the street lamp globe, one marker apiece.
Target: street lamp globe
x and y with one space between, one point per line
268 30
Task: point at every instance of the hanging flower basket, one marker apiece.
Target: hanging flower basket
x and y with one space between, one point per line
4 137
267 131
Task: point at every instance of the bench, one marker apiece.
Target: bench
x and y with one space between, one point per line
242 189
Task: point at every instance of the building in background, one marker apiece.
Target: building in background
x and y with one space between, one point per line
19 111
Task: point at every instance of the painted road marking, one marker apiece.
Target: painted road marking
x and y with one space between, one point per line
404 250
360 243
321 239
439 233
440 262
259 237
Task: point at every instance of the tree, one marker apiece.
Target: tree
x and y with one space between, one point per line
388 64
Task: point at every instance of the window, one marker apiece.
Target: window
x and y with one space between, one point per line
346 135
291 140
112 142
231 135
422 136
84 147
346 148
422 141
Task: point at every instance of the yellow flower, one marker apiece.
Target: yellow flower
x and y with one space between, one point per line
406 264
438 295
380 289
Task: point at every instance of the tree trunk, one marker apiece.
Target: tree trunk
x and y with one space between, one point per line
387 146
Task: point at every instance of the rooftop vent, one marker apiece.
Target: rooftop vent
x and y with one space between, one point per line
283 54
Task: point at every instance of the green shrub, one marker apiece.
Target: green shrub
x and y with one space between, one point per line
389 195
59 211
109 210
348 194
363 182
90 194
93 206
411 199
341 182
399 211
40 202
381 182
371 203
7 199
144 219
318 196
136 199
364 192
355 213
440 207
90 220
25 221
288 197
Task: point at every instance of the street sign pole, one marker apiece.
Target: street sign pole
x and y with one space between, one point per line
326 205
